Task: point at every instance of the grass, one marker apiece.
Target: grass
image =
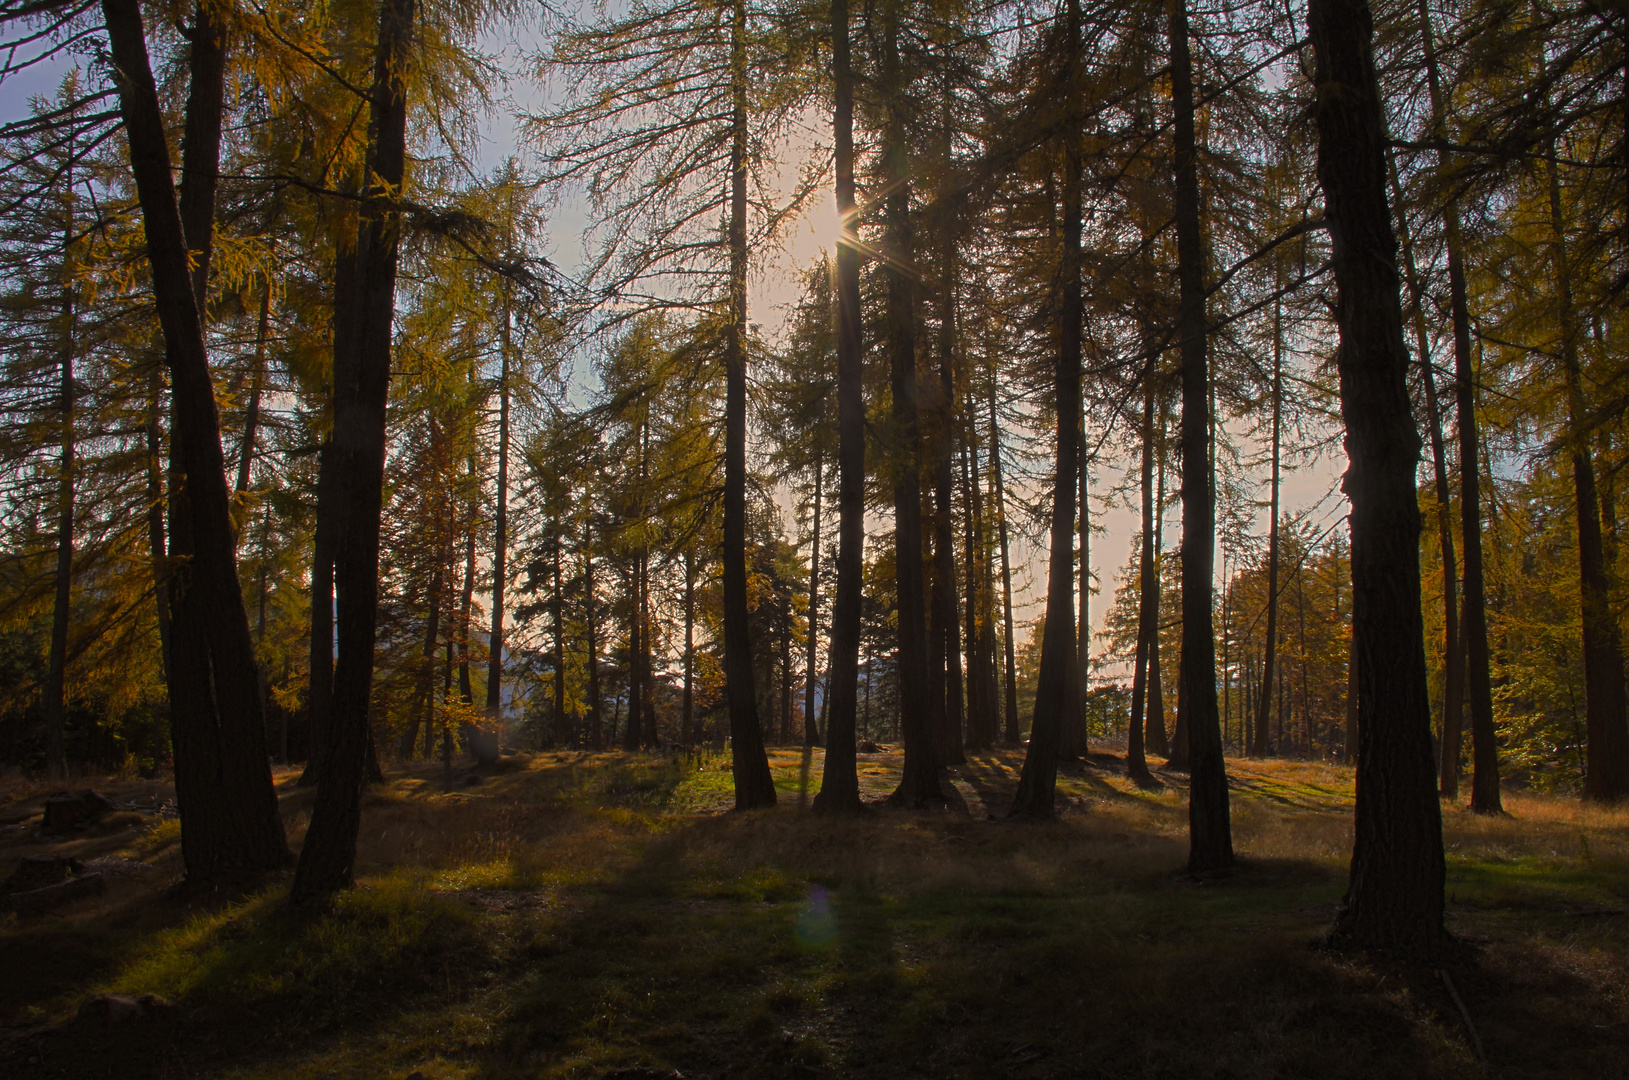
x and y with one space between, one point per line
585 915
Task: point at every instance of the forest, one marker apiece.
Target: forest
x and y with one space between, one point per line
558 540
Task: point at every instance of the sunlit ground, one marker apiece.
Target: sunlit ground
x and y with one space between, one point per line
589 915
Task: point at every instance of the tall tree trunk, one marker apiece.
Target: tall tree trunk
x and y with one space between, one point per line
753 785
1474 627
1074 735
1606 775
230 823
1269 664
1394 897
1155 740
595 712
500 530
360 392
636 681
251 419
840 784
1057 689
324 543
1210 837
559 618
811 732
155 514
1453 673
919 782
1010 704
945 629
432 633
1147 605
53 698
687 705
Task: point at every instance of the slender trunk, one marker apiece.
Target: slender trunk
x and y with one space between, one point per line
251 419
1264 696
1210 839
432 632
1147 605
1606 775
1057 689
1453 675
1394 897
155 514
687 705
1074 736
559 618
811 733
1155 740
230 823
945 629
840 784
636 684
1010 710
1474 626
919 782
326 860
466 608
753 785
500 533
595 734
53 703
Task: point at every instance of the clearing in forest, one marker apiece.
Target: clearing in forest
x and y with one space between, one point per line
595 915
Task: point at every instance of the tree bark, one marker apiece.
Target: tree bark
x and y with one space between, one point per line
230 823
1210 838
500 530
1394 897
919 782
687 705
53 703
840 784
595 713
1269 664
1147 603
1606 769
945 629
559 618
1074 744
1057 689
811 732
753 785
1155 740
1010 709
360 393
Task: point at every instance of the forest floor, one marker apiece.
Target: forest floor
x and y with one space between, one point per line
596 915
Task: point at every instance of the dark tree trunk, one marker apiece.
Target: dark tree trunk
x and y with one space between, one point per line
1155 740
636 682
320 686
811 732
595 713
840 784
1074 745
1269 664
53 697
1606 774
466 608
559 617
500 533
1057 689
1148 603
427 691
1210 838
230 823
753 785
1010 732
687 705
251 419
1394 898
1474 626
155 514
947 646
920 780
360 392
1448 750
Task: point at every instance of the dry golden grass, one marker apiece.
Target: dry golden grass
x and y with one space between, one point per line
572 914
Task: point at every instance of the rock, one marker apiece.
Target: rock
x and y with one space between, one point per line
52 896
118 1009
74 809
483 745
866 747
38 871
